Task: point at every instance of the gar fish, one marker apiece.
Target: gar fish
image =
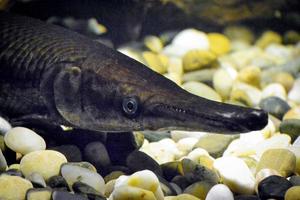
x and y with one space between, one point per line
54 75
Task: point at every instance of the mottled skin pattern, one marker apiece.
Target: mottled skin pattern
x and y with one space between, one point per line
57 76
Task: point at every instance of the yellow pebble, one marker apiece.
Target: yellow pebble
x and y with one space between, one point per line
198 59
250 75
267 38
292 193
285 79
13 187
219 43
156 62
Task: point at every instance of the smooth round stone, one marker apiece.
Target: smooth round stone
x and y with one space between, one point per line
3 163
246 197
194 172
219 43
295 180
231 169
294 113
153 43
202 90
155 136
186 144
39 194
281 53
290 127
175 66
285 79
170 169
223 81
267 38
202 75
166 187
198 59
246 94
291 37
281 160
189 39
109 187
262 174
73 173
274 89
36 179
181 197
13 187
24 140
214 144
293 193
278 141
219 191
85 165
82 188
4 126
141 181
177 135
296 151
273 187
176 78
241 33
138 160
71 152
113 175
199 189
96 154
58 183
132 193
62 195
13 172
250 75
45 162
156 62
274 106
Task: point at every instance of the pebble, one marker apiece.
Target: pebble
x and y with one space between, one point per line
71 152
45 162
186 144
24 140
219 43
267 38
295 180
294 94
262 174
82 188
113 175
156 62
199 189
153 43
170 169
296 150
246 197
290 127
189 39
182 197
13 187
246 94
58 183
13 172
202 90
102 160
142 183
277 141
37 180
240 33
198 59
62 195
202 75
273 187
214 144
138 160
39 194
274 89
223 80
285 79
250 75
73 173
292 193
109 187
219 191
3 163
231 169
4 126
293 113
274 106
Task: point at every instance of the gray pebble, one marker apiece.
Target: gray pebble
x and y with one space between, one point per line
295 180
58 183
71 152
62 195
37 180
3 163
275 106
4 126
82 188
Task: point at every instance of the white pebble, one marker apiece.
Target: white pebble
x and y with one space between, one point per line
274 89
294 93
24 140
235 174
218 192
4 126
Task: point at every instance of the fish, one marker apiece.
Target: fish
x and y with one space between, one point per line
53 75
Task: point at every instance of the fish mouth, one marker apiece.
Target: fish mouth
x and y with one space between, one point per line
205 115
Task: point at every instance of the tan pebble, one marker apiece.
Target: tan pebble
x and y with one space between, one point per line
293 113
267 38
285 79
13 187
292 193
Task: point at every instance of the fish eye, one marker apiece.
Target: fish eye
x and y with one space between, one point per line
130 106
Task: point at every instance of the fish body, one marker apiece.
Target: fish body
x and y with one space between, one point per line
51 74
